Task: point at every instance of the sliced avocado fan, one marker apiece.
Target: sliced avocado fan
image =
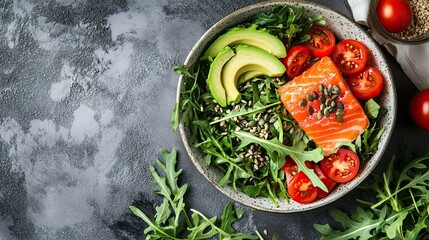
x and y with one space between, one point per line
214 79
229 67
248 59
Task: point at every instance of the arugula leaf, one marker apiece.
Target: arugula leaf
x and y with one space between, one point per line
256 108
359 225
401 211
171 219
367 143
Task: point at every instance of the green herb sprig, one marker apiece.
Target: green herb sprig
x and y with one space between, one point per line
401 210
172 220
288 23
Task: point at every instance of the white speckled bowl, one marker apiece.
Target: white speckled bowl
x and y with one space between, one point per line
343 28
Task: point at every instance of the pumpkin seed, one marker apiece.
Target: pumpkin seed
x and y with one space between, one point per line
329 89
336 89
310 110
266 117
328 102
319 115
314 95
303 103
326 112
340 119
326 92
340 112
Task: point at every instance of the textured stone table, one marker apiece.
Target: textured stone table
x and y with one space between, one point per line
87 90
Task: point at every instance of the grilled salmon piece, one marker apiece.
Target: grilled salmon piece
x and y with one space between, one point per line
328 126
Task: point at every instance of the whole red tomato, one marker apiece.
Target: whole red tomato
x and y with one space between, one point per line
419 109
394 15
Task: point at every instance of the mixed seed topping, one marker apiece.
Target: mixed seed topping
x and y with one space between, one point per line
329 102
260 124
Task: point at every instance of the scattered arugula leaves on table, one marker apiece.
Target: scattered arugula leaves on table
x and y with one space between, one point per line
172 220
401 210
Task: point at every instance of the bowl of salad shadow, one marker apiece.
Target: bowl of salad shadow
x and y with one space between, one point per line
255 130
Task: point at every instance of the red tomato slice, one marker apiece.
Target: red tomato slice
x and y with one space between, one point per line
291 169
342 166
322 41
350 56
366 84
328 182
301 189
298 59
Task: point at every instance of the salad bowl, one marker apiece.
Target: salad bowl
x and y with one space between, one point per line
343 28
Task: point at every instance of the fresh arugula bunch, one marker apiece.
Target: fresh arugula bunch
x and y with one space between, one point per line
172 221
401 210
288 23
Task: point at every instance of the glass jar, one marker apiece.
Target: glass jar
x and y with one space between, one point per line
375 24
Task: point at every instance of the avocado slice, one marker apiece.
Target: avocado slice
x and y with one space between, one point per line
214 81
248 73
248 58
250 36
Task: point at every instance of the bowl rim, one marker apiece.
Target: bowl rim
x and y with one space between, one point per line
266 5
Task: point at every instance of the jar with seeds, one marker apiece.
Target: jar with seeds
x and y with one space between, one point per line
416 33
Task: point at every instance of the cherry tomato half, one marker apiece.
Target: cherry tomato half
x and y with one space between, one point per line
366 84
301 189
350 56
341 166
322 41
291 169
298 59
328 182
394 15
419 109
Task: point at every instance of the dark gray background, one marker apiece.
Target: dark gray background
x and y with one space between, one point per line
86 95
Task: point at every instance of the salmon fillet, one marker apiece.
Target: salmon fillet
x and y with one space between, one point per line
328 131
